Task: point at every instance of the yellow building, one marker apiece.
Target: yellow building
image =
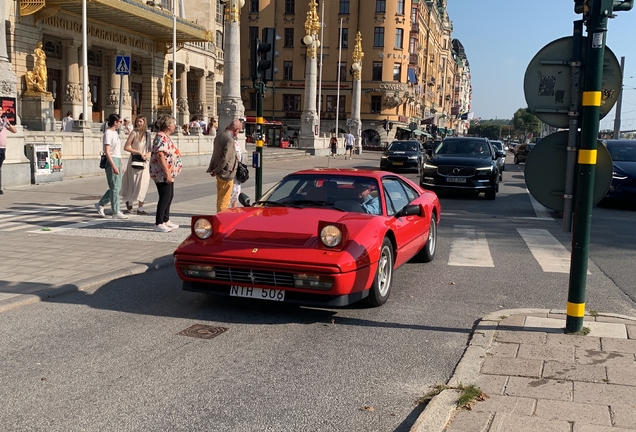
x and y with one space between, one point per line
408 70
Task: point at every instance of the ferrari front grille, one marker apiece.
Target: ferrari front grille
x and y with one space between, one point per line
240 276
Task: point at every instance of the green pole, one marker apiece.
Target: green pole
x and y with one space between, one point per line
260 89
591 98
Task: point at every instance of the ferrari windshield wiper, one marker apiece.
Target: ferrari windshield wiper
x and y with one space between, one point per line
271 203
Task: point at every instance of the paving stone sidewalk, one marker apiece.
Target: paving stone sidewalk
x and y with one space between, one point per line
537 378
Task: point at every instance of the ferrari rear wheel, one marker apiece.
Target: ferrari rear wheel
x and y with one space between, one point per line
427 254
381 287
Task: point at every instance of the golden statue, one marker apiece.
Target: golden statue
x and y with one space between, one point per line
36 79
166 98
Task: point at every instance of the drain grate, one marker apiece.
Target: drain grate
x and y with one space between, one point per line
203 331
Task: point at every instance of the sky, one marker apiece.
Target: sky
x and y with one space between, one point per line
502 36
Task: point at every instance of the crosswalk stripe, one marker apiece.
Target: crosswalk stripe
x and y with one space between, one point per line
551 255
469 248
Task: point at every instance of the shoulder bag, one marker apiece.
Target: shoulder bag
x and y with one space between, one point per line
103 161
242 173
138 161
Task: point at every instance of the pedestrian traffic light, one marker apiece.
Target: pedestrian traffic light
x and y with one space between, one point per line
258 62
269 56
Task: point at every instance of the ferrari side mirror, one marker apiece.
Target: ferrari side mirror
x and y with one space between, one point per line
244 200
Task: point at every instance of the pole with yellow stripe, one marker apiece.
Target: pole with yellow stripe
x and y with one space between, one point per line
591 102
260 90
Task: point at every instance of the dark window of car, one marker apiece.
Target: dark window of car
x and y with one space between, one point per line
464 147
622 151
404 146
395 195
497 144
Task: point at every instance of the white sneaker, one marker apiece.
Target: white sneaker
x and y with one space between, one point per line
120 215
100 210
162 228
171 225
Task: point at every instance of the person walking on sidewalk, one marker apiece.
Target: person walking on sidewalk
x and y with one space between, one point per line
136 178
349 145
114 174
223 163
334 145
5 126
165 166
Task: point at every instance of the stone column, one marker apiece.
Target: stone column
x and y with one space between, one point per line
354 123
183 112
202 103
309 119
112 102
126 106
231 106
72 100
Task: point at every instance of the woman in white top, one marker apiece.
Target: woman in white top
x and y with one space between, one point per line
236 189
137 177
112 150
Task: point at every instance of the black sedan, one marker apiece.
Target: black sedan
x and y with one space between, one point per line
403 155
462 164
623 154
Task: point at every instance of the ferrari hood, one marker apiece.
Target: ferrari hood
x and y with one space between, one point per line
279 226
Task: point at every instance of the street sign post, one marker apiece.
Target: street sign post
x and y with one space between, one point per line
122 67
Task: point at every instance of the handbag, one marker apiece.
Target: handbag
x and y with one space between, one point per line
103 161
242 173
138 161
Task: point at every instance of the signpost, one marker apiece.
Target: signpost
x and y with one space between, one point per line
122 67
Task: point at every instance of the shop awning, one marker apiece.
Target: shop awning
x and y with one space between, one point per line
419 132
137 17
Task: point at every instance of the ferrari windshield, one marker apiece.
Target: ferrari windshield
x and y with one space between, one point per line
346 193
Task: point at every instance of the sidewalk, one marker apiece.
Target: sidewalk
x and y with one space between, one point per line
539 379
41 260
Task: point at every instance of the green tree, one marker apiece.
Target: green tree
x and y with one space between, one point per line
489 130
525 122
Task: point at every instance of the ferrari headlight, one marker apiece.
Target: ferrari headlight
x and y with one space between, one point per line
330 236
202 228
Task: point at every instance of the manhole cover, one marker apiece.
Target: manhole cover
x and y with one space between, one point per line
86 198
203 331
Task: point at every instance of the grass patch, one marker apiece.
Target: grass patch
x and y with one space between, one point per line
46 229
593 313
583 332
469 395
503 317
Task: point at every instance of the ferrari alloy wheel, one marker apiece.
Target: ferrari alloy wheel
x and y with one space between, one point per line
428 251
381 287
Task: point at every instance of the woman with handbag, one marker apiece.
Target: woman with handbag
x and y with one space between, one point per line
165 166
137 176
236 188
112 150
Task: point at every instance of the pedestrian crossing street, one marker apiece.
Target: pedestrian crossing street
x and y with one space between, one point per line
469 245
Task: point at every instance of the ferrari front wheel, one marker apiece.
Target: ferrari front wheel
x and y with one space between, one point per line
381 287
427 253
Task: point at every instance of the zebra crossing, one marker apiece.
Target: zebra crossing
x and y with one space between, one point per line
469 245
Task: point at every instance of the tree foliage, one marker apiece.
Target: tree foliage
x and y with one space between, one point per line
526 122
490 131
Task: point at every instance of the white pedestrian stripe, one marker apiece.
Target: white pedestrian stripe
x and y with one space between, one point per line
469 248
551 255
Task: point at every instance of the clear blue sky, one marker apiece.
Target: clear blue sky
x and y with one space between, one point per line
502 36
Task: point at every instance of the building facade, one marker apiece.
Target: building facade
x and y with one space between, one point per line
408 75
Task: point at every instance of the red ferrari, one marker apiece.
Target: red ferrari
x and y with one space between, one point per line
327 237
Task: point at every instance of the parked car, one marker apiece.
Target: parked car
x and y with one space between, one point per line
500 150
623 154
462 164
403 155
327 237
522 151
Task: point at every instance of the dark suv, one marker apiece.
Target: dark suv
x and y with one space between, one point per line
522 151
403 155
463 164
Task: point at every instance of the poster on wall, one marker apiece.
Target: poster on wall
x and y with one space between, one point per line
55 158
8 105
42 159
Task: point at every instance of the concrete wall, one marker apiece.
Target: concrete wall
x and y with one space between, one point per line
81 152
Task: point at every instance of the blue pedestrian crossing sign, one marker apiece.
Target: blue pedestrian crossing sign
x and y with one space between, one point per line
122 65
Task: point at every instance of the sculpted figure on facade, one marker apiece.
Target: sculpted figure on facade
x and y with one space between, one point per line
73 93
182 105
166 98
36 78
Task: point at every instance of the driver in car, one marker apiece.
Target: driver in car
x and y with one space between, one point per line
369 203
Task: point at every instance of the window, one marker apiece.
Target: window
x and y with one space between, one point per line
396 194
288 41
412 45
343 71
397 72
344 7
399 38
380 6
331 103
377 71
290 6
378 37
414 15
253 34
52 49
254 6
291 102
344 37
400 7
288 70
376 104
219 13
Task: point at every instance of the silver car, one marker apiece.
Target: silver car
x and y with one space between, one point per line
500 151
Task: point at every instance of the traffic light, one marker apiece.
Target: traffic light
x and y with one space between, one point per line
623 5
581 7
258 61
269 39
386 125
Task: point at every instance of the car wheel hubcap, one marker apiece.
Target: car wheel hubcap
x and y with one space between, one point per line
432 236
384 272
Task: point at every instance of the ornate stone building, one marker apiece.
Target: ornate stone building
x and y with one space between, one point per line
142 30
408 72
